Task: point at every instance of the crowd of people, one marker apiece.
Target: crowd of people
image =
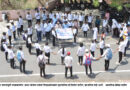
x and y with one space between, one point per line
45 27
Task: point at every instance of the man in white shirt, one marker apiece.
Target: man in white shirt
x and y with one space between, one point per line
93 48
39 31
4 45
80 53
21 59
81 19
95 30
42 63
13 28
29 18
9 34
85 28
11 57
104 24
18 28
70 17
21 24
44 16
101 45
68 64
38 48
108 56
29 44
37 16
30 32
47 51
90 19
121 50
63 53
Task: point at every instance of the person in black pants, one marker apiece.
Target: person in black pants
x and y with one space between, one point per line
29 44
68 64
22 61
87 57
9 34
42 62
11 57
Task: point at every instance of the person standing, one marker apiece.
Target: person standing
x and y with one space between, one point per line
80 53
54 35
47 51
29 18
93 48
42 63
4 45
108 56
85 28
21 24
90 19
75 32
29 44
30 32
18 28
104 24
38 48
68 64
39 31
11 57
121 50
81 19
97 23
21 59
63 53
13 28
37 16
95 34
9 35
87 61
126 42
101 45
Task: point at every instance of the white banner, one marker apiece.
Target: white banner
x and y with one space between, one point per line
64 33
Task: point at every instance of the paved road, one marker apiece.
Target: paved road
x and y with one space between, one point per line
55 71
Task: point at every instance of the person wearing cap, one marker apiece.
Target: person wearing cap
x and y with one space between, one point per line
107 57
68 64
87 61
21 59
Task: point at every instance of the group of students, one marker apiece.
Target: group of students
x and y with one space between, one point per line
49 23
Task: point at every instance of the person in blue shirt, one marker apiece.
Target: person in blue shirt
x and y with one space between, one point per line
48 30
97 23
44 16
54 20
65 25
